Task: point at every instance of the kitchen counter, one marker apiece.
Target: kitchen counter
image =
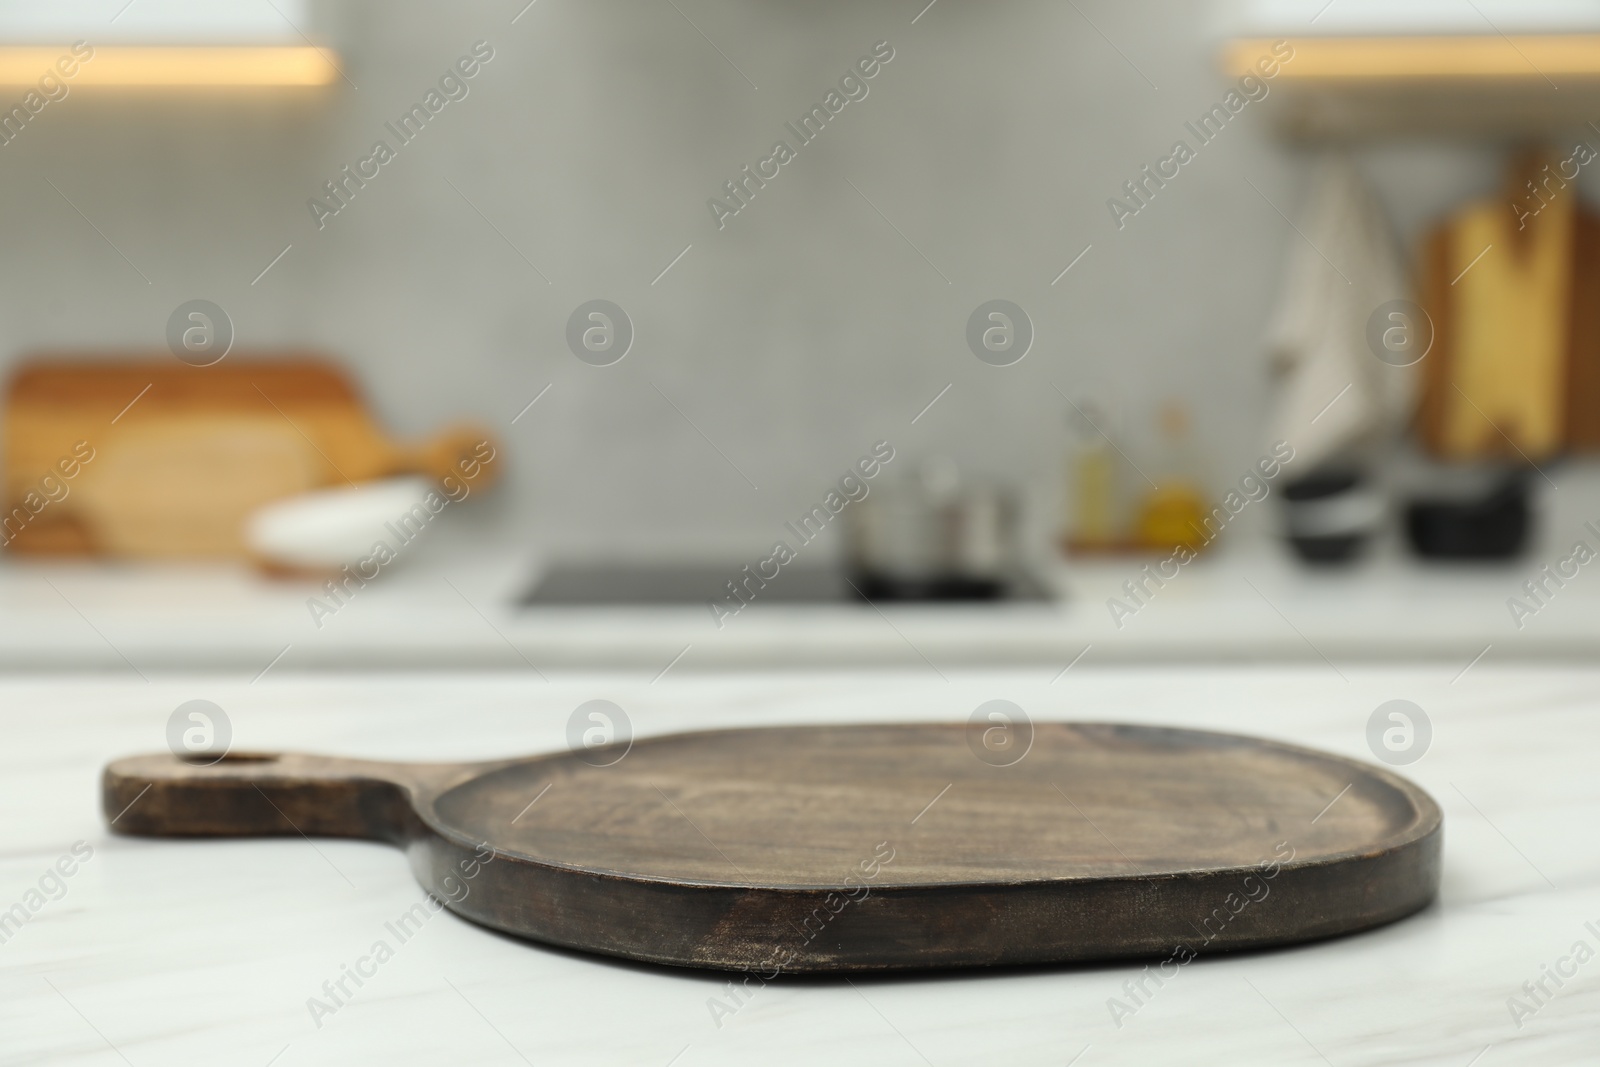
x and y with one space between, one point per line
441 613
204 952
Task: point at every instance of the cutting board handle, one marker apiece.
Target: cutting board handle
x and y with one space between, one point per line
461 452
257 794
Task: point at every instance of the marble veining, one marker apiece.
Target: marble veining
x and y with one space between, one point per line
205 952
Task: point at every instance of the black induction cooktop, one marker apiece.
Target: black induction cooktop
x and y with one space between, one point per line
592 584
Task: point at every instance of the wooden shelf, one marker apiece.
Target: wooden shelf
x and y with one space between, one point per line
1423 59
1519 86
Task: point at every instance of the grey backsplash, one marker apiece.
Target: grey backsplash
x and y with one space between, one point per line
805 330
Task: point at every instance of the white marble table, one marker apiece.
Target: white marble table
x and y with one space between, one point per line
162 952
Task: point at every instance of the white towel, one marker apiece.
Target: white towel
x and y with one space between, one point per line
1334 395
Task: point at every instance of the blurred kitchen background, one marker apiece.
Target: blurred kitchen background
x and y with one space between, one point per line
1181 326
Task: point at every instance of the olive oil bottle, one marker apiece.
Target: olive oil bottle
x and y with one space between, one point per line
1172 513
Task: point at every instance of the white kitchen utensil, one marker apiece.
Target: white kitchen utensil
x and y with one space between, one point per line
329 528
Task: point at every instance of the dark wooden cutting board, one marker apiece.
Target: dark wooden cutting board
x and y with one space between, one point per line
857 848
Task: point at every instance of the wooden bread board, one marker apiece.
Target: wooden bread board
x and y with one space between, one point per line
152 458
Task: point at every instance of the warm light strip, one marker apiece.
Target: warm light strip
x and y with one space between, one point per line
1406 58
158 66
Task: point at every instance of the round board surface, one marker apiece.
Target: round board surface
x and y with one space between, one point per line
801 807
840 848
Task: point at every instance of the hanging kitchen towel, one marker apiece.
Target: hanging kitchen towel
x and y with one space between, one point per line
1333 392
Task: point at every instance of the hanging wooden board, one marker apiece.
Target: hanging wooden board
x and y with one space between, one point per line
858 848
1582 415
1512 286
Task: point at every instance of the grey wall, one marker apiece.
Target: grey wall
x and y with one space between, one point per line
794 338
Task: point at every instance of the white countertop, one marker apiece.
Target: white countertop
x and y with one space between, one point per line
205 952
454 610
